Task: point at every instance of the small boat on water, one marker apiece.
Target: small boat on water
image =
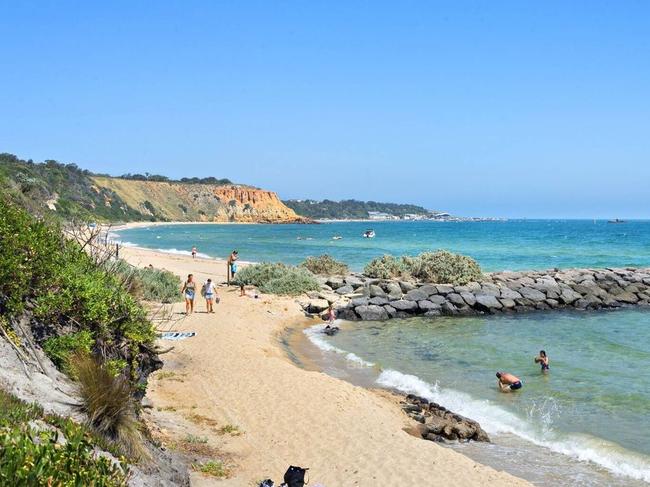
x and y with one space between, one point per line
337 237
616 220
369 234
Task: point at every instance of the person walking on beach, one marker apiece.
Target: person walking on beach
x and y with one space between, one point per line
209 292
194 252
188 291
232 265
508 382
542 359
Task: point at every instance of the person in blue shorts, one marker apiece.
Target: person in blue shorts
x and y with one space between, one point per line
189 292
232 264
508 382
542 359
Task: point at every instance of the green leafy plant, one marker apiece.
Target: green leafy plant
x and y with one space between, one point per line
61 348
324 265
386 267
39 457
436 267
278 279
214 468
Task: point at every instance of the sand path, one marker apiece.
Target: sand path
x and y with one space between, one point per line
235 372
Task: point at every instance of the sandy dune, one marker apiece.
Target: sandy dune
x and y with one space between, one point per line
235 372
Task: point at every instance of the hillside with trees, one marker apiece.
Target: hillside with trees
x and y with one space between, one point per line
350 209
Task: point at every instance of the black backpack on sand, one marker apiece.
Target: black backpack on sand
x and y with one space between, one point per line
295 476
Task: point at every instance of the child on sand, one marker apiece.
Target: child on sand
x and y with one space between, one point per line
210 294
188 291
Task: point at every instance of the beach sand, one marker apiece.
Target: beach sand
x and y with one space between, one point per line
235 372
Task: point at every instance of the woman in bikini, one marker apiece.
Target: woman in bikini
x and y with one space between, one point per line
189 292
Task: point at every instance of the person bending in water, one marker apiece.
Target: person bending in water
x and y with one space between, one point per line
508 382
542 359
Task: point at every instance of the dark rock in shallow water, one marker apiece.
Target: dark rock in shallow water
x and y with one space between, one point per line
438 422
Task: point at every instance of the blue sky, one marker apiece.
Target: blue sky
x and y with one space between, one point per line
509 108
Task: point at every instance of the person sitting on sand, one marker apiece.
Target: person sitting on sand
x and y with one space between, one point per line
188 291
542 359
508 382
232 263
194 252
209 293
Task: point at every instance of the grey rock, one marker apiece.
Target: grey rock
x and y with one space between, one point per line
444 289
507 303
404 305
379 301
360 302
390 310
416 295
490 290
456 299
532 294
429 289
448 309
568 295
335 282
354 281
486 302
347 289
372 313
432 312
406 286
469 298
428 305
627 297
437 299
376 291
509 293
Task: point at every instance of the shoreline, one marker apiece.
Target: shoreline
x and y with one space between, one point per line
236 372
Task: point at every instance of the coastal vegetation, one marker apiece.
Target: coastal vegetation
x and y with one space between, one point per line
433 267
277 278
149 284
324 265
45 449
350 209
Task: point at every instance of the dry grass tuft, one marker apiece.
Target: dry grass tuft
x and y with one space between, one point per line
108 402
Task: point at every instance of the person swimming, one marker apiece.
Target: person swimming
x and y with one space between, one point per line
542 359
508 382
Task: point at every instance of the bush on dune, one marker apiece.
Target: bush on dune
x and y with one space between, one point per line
24 461
278 279
324 265
149 284
436 267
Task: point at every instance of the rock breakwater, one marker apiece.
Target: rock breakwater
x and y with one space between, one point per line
357 297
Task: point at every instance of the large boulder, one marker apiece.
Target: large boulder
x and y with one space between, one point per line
394 291
568 295
426 305
317 305
416 295
404 305
532 294
376 291
371 312
347 289
486 302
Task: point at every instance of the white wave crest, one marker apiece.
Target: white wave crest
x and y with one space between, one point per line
316 336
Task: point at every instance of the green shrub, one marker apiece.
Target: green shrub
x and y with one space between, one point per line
68 291
61 348
385 267
436 267
150 284
445 267
278 279
26 462
324 265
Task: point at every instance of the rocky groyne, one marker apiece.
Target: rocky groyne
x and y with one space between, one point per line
357 297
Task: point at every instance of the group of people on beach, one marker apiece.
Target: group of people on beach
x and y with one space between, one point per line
508 382
208 289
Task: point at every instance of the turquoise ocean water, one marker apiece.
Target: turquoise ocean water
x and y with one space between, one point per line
584 423
515 244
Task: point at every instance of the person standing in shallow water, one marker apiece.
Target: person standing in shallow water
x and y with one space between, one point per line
508 382
232 265
189 292
542 359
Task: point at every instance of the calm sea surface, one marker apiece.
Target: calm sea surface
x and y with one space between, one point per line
509 245
585 423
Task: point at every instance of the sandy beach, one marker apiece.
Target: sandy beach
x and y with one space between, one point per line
234 373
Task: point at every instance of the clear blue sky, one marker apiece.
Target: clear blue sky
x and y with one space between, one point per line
509 108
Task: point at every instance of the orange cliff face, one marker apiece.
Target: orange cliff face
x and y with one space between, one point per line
175 201
245 204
